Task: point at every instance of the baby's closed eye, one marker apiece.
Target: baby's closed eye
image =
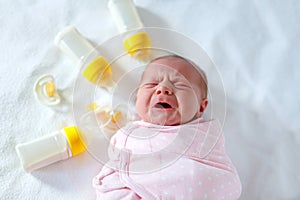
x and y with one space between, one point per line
149 84
182 85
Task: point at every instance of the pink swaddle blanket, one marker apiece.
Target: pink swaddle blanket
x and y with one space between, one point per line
168 162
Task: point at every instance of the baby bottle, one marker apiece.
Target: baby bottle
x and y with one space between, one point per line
98 70
60 145
136 41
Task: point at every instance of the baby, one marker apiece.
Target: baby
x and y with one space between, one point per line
172 153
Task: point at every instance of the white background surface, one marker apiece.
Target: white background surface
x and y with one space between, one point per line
255 45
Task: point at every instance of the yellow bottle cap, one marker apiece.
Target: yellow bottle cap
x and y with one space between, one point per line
138 42
98 67
74 140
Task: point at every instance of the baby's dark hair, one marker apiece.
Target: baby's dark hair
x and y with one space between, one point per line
202 81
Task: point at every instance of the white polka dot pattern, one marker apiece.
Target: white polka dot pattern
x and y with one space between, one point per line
190 177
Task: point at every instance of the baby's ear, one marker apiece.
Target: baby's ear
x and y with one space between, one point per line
203 105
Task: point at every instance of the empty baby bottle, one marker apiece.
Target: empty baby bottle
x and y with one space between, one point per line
97 70
136 40
60 145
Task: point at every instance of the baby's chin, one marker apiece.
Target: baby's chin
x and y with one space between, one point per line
164 121
166 118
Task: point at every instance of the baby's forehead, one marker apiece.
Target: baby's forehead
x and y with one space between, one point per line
155 69
170 61
173 65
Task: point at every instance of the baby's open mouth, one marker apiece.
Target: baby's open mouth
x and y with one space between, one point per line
162 105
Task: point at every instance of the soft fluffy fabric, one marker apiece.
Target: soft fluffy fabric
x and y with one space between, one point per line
255 45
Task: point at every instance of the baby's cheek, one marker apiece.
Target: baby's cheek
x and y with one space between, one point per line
138 106
141 106
190 104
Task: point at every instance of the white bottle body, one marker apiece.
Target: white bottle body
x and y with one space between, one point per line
125 15
44 151
70 41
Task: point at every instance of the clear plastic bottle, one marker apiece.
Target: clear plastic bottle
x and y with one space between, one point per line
136 41
60 145
98 70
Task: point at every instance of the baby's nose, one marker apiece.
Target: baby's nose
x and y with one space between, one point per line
164 90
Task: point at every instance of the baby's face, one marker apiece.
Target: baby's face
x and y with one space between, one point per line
169 93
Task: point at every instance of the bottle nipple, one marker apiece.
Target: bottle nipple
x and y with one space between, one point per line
45 91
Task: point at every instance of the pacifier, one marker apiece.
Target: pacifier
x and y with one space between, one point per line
45 91
106 118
